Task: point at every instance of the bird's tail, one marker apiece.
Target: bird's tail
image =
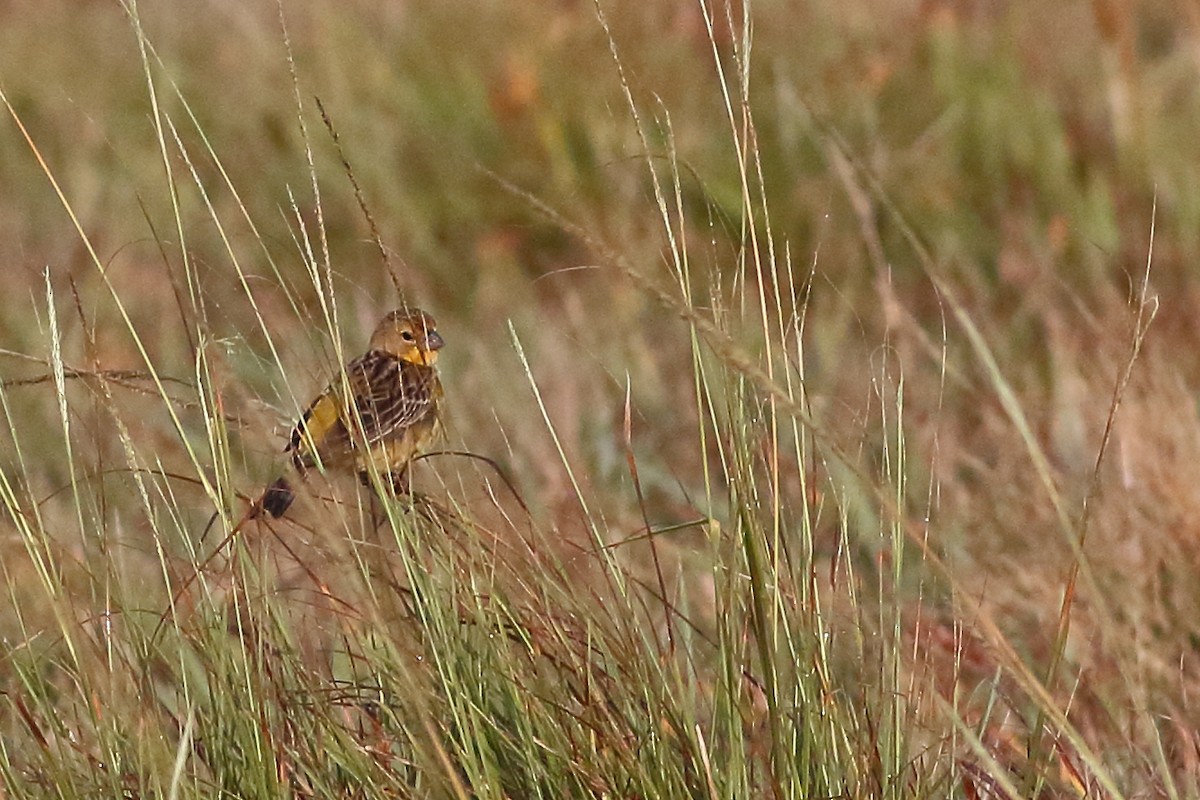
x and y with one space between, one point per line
277 498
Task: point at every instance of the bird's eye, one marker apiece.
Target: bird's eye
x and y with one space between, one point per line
408 336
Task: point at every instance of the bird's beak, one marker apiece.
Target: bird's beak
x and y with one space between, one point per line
434 341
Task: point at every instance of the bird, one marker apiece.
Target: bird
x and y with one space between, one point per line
377 416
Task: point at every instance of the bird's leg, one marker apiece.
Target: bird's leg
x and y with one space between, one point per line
378 514
393 486
401 485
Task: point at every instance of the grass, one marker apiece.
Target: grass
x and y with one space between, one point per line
824 364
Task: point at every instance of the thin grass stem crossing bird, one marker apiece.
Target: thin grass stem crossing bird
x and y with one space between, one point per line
377 416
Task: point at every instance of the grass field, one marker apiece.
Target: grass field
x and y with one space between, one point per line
821 399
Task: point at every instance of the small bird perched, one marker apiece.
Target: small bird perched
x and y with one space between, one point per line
382 415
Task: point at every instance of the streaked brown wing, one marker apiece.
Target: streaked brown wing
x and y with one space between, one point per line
390 395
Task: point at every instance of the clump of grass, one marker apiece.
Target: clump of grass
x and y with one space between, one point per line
439 652
722 567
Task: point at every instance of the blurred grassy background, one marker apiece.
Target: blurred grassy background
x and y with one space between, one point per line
1026 146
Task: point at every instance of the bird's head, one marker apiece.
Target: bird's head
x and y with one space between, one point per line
410 335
